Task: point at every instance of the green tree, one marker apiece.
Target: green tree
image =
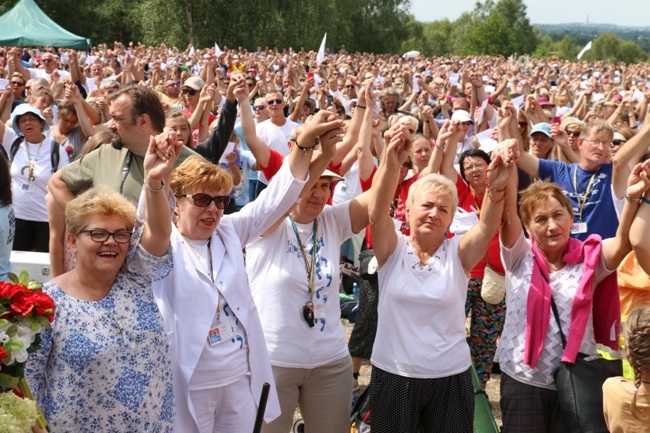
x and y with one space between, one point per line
608 46
490 37
437 36
514 15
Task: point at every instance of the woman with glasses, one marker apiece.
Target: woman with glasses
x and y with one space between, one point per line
105 364
219 357
17 84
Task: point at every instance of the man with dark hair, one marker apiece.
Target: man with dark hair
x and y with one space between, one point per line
136 115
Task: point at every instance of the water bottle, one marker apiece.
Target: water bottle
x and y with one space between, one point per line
355 291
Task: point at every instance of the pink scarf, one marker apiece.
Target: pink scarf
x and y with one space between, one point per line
605 302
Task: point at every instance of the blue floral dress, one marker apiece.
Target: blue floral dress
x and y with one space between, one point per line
105 366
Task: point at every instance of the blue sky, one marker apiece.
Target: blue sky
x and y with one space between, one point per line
620 12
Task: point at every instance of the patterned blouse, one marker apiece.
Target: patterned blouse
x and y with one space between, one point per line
105 365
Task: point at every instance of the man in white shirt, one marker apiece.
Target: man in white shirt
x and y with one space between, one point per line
275 131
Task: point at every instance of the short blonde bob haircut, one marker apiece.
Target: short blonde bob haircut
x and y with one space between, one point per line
537 195
197 174
436 183
97 202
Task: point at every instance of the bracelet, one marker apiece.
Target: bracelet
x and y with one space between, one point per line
645 200
440 147
162 186
503 197
305 149
363 107
633 200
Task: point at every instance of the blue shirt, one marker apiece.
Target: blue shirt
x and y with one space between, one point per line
598 208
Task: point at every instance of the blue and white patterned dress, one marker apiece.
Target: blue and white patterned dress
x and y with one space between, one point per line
105 366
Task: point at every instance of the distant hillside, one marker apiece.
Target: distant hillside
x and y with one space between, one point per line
583 33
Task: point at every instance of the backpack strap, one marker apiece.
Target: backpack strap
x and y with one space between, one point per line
55 157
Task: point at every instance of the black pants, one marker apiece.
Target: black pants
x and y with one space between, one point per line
401 404
32 236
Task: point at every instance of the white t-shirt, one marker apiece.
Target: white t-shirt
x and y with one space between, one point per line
275 137
40 73
421 327
278 281
518 262
29 196
349 188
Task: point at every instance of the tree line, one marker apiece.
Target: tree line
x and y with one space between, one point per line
380 26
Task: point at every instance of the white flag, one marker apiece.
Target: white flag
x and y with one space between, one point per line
584 50
217 50
191 53
321 51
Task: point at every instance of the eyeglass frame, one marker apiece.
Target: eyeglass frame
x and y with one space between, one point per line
225 200
101 232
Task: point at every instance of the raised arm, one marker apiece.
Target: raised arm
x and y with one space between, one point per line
216 144
638 193
260 150
88 129
382 228
158 167
627 155
475 242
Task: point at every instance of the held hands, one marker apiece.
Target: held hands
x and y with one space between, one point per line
161 155
326 126
502 165
639 181
398 147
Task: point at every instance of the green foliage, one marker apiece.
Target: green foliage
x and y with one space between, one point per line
612 47
491 36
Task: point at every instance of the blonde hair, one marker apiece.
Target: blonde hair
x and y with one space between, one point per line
196 173
537 195
637 334
98 202
597 127
437 183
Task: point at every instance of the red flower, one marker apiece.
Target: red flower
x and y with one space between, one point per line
44 304
3 354
23 303
10 290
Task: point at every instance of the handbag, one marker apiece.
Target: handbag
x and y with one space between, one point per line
493 289
580 388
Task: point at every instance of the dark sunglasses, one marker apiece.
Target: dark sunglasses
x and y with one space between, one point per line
618 142
173 84
190 91
259 107
574 133
349 86
274 101
523 124
47 60
203 200
100 235
16 83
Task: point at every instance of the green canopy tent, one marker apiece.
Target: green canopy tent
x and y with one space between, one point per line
26 25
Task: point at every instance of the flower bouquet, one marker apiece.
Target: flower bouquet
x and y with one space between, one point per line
25 312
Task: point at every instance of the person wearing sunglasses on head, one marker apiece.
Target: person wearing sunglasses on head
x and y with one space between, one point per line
194 109
275 131
219 355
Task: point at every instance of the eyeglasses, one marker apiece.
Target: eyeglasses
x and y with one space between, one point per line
203 200
597 143
173 84
189 91
17 84
523 124
618 142
259 107
574 133
349 86
277 101
47 60
99 235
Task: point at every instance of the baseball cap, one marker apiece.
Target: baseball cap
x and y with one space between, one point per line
195 83
462 116
543 127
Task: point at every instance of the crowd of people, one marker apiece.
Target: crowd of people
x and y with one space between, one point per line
197 206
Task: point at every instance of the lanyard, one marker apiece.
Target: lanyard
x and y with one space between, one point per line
581 204
309 267
209 270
